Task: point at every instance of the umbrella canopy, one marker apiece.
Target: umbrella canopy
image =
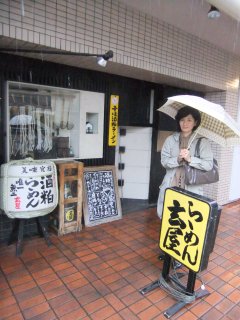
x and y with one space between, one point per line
216 123
21 120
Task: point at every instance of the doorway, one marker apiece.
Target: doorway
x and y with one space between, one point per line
133 159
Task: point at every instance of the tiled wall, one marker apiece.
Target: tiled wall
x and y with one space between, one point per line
137 40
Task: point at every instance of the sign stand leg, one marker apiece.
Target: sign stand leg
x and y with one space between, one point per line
14 232
179 305
189 289
41 226
165 275
17 235
20 238
191 281
166 266
153 285
18 230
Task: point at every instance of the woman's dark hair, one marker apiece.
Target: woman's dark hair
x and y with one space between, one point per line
184 112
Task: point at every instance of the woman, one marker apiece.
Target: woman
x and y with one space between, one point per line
179 148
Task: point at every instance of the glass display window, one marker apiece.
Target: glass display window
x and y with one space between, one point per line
40 122
44 122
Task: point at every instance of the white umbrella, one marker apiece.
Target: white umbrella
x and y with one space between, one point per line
21 120
216 123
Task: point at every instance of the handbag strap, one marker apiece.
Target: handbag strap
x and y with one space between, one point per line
197 148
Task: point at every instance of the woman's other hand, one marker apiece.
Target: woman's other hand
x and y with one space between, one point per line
184 155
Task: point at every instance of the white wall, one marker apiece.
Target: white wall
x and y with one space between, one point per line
234 190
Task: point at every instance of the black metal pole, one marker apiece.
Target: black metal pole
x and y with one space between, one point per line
106 55
191 281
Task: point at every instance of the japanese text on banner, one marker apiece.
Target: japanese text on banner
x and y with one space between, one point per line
29 193
113 121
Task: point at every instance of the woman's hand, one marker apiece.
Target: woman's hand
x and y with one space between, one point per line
184 155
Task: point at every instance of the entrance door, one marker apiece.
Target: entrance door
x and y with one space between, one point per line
133 154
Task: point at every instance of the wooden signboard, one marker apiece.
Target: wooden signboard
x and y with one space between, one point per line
101 199
68 217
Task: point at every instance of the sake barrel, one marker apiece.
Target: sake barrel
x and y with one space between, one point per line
28 188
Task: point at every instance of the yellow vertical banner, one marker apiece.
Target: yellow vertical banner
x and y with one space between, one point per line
113 121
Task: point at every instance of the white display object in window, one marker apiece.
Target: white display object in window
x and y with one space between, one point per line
91 121
46 122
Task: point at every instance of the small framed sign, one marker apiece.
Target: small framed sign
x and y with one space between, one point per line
101 201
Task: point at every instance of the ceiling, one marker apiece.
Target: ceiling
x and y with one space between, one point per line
187 15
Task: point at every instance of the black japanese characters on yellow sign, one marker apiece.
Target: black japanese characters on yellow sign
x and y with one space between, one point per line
69 214
113 121
183 228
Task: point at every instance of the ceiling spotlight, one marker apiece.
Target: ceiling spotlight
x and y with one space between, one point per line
103 59
213 13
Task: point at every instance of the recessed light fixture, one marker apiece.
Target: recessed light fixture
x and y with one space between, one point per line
214 13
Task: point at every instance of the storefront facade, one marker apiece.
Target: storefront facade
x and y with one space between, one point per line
164 61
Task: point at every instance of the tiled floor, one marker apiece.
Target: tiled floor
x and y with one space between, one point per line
97 273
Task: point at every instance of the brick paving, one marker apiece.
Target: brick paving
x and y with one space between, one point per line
97 273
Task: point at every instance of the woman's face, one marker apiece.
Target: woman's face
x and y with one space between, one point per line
187 124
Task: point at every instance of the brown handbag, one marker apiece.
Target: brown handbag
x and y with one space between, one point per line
196 176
